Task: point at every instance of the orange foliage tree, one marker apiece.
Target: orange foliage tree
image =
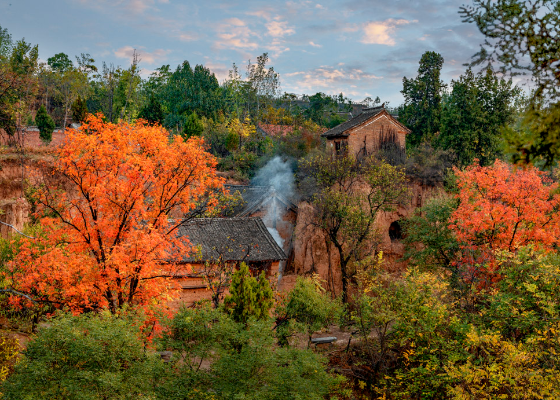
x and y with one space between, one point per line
502 208
106 216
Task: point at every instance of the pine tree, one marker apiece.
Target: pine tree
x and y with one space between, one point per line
248 296
45 124
193 126
79 110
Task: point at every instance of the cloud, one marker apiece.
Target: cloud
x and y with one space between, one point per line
234 33
330 79
381 32
220 70
144 56
187 36
279 29
315 44
131 6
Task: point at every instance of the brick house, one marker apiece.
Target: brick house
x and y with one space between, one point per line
224 240
364 133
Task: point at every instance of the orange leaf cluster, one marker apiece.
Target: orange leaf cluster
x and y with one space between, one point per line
106 208
502 208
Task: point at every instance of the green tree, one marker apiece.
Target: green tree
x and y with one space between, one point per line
152 112
249 296
521 38
60 63
5 44
45 124
193 126
429 228
242 361
474 114
421 111
86 357
18 86
79 110
307 308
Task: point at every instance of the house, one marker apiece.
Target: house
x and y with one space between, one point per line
276 210
365 133
226 242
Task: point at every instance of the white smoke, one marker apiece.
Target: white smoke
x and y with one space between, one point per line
274 233
278 174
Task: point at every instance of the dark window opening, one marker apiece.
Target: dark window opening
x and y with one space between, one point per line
340 148
395 231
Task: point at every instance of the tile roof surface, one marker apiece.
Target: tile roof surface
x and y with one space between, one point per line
236 239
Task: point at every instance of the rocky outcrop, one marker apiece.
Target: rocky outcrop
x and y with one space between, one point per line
314 254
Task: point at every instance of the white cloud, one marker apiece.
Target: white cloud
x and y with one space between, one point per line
233 33
144 56
330 79
315 44
220 70
279 29
382 32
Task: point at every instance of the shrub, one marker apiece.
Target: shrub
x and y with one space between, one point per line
45 124
86 357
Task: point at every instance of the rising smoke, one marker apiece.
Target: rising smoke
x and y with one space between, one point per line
278 174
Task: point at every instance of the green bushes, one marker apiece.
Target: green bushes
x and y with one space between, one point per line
85 357
216 354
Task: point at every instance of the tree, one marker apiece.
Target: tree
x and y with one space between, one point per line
503 209
45 124
69 85
5 43
521 38
152 112
307 308
348 196
249 296
90 357
60 63
429 227
193 126
105 217
421 111
79 110
474 114
263 85
18 86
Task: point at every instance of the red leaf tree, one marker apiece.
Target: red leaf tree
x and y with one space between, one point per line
106 208
502 208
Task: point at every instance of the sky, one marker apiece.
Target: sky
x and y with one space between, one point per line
358 47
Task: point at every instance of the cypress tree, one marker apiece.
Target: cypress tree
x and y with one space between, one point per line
45 124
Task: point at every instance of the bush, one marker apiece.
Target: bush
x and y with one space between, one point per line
86 357
242 361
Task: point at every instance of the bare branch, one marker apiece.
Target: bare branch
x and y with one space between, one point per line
17 230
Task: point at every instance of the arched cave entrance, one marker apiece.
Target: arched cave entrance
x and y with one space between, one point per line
395 231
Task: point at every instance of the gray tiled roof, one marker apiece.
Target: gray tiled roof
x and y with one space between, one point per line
236 239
